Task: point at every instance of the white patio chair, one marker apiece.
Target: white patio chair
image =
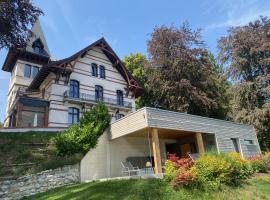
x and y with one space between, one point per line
128 168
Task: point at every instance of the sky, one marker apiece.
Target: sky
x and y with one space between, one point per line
70 25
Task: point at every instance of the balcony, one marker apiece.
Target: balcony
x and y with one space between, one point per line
89 98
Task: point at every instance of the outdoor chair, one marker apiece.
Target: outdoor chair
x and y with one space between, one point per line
128 168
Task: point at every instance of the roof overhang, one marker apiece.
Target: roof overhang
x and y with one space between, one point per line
146 118
16 54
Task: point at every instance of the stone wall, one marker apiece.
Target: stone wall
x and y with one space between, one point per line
40 182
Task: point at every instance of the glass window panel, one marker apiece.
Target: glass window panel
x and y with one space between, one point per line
27 70
32 119
102 71
74 89
73 115
120 98
94 69
99 93
34 71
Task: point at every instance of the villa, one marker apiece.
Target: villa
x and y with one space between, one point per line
47 94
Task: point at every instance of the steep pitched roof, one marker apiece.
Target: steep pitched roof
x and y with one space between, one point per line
66 66
37 35
27 53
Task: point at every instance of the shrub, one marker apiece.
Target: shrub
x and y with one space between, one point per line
212 168
170 170
80 138
178 171
185 163
267 154
229 169
185 178
259 164
240 169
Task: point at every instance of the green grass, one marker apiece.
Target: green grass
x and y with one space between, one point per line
256 188
18 148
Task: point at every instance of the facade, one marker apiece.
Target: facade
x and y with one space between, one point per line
46 93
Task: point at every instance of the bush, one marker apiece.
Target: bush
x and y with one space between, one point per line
80 138
259 164
170 170
216 169
240 169
185 178
212 168
178 171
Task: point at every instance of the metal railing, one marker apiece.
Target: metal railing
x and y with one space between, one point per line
92 98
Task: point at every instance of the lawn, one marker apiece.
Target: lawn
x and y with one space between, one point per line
28 153
256 188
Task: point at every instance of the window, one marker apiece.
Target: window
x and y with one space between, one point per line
33 116
73 115
235 144
38 46
98 93
74 89
102 71
248 142
34 71
94 70
119 115
30 71
37 49
120 98
27 70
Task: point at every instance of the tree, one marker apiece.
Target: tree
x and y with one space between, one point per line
137 64
16 16
181 75
246 53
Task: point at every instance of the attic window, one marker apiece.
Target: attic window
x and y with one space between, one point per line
37 46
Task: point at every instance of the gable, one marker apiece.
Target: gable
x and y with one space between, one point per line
66 66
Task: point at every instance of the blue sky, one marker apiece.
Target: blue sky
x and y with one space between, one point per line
70 25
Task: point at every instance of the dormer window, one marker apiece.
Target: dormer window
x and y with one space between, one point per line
38 46
37 49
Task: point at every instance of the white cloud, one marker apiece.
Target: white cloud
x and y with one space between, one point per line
237 13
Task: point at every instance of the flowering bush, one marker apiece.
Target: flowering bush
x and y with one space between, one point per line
184 178
259 164
170 170
267 154
178 171
212 169
240 168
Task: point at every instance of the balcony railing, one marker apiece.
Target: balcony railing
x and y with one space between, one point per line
92 98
